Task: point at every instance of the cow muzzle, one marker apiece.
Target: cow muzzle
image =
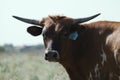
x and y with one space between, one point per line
52 55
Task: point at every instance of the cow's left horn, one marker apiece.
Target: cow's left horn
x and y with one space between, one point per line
81 20
30 21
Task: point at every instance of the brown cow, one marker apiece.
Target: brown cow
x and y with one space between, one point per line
87 51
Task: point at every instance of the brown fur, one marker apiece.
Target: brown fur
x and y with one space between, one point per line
82 56
95 55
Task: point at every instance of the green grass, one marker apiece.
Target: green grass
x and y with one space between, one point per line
29 66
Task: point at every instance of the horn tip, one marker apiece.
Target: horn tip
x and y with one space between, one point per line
14 16
98 14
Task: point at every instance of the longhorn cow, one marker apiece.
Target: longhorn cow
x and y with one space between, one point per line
87 51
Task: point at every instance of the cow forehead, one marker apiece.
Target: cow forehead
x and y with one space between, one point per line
52 29
56 21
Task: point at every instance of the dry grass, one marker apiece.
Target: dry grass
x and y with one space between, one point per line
26 66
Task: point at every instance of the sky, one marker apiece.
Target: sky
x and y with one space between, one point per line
14 32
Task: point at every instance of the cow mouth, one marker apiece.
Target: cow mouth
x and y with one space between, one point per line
51 59
52 56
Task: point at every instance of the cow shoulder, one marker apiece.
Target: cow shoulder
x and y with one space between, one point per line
113 42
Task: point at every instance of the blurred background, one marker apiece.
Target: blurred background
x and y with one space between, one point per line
21 55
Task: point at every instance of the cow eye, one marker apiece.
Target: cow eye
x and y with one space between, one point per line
64 34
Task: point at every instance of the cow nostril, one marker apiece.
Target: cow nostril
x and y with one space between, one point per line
46 55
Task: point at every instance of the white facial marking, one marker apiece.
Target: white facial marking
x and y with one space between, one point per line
48 47
104 57
119 77
115 55
46 50
90 76
97 71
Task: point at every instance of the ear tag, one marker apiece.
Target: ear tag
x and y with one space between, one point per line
73 36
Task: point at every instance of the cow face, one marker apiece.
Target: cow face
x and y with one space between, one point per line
56 30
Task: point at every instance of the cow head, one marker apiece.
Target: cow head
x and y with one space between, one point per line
56 30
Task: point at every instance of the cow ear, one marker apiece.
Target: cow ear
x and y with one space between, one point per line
34 30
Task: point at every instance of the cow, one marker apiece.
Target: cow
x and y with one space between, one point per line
88 51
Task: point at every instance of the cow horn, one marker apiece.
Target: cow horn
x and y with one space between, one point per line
81 20
31 21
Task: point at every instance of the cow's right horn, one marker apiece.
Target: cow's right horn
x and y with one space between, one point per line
81 20
30 21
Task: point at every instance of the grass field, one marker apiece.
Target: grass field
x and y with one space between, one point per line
29 66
